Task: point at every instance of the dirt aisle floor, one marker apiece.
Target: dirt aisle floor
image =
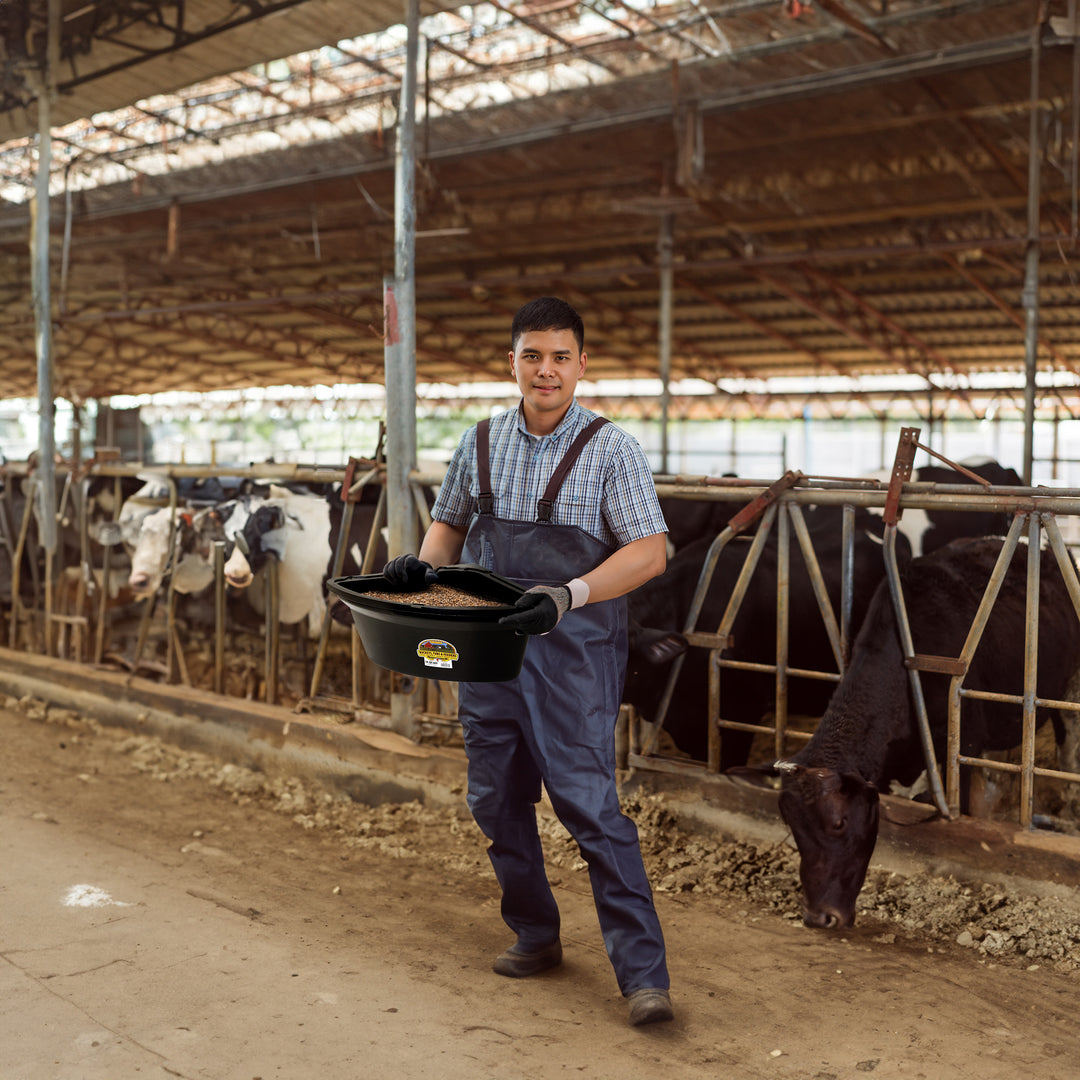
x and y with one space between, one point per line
287 936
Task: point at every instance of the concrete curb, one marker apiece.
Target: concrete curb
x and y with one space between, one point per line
369 765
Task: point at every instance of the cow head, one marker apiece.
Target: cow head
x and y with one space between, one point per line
834 819
151 555
255 535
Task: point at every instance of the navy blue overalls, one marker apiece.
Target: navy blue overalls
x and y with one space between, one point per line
555 722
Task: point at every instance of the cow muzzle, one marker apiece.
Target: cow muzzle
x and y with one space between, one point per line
142 584
827 918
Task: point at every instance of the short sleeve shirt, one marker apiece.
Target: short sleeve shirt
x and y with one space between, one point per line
609 493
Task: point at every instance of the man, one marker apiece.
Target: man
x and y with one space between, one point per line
557 498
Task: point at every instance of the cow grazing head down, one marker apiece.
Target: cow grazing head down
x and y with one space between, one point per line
834 819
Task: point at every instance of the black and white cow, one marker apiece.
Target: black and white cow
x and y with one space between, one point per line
145 527
659 609
300 531
869 736
192 567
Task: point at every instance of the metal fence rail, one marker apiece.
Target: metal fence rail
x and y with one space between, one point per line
37 627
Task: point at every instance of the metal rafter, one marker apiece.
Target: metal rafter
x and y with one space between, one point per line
1010 312
816 308
790 343
931 355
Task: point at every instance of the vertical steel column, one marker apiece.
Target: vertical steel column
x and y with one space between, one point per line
400 343
272 587
1031 668
1074 108
39 251
1055 449
665 246
1031 262
847 582
783 579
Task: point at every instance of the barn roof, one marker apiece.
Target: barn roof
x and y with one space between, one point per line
845 184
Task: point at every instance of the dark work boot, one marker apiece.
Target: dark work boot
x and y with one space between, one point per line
649 1005
517 963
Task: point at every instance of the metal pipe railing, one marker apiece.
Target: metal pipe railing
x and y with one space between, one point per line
1029 503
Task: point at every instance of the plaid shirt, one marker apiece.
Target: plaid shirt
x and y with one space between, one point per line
609 493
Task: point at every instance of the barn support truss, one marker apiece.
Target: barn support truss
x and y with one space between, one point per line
768 286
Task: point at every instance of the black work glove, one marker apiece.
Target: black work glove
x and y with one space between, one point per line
409 573
538 610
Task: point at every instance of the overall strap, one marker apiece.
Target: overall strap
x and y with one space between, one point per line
484 498
545 503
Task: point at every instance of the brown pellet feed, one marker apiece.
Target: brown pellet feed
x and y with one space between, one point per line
439 596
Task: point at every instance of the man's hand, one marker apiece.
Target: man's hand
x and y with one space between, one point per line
409 573
538 610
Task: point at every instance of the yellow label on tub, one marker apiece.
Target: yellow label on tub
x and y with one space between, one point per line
437 653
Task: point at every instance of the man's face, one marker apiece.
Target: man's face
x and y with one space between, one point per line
547 365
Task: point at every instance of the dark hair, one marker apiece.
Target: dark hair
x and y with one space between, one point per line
547 313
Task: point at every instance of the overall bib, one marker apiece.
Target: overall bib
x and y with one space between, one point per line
555 723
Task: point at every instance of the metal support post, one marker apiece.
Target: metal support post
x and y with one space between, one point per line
1031 261
783 578
892 574
971 643
400 344
39 251
1031 668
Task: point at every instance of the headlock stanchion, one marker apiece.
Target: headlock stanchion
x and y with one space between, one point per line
760 507
779 503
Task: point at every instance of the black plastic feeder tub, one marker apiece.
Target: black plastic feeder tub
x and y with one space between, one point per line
451 643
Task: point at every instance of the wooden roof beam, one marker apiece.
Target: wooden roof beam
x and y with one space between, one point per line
853 22
257 349
631 36
109 381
